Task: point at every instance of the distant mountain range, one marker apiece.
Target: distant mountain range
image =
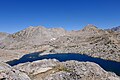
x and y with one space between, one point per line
90 40
116 28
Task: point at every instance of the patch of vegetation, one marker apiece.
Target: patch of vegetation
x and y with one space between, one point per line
62 68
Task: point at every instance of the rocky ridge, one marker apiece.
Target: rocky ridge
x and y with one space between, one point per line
30 37
90 41
8 73
115 29
52 69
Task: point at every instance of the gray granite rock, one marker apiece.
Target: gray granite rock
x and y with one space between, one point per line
90 41
70 70
9 73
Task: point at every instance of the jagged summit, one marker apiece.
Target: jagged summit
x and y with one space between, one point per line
34 27
90 27
90 40
42 27
38 32
116 28
32 36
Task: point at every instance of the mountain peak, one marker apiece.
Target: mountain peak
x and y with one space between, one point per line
35 27
116 28
90 27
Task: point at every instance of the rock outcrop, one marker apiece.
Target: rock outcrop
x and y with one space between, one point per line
70 70
8 73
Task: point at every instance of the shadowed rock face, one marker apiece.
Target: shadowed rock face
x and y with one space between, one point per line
116 29
52 69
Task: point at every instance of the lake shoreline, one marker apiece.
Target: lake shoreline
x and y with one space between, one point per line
66 57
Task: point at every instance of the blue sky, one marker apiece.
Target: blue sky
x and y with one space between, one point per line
16 15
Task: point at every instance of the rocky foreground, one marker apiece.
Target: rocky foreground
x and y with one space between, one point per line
52 69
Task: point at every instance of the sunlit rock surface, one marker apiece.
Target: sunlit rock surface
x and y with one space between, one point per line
70 70
90 40
9 73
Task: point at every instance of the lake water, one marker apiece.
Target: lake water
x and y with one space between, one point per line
105 64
